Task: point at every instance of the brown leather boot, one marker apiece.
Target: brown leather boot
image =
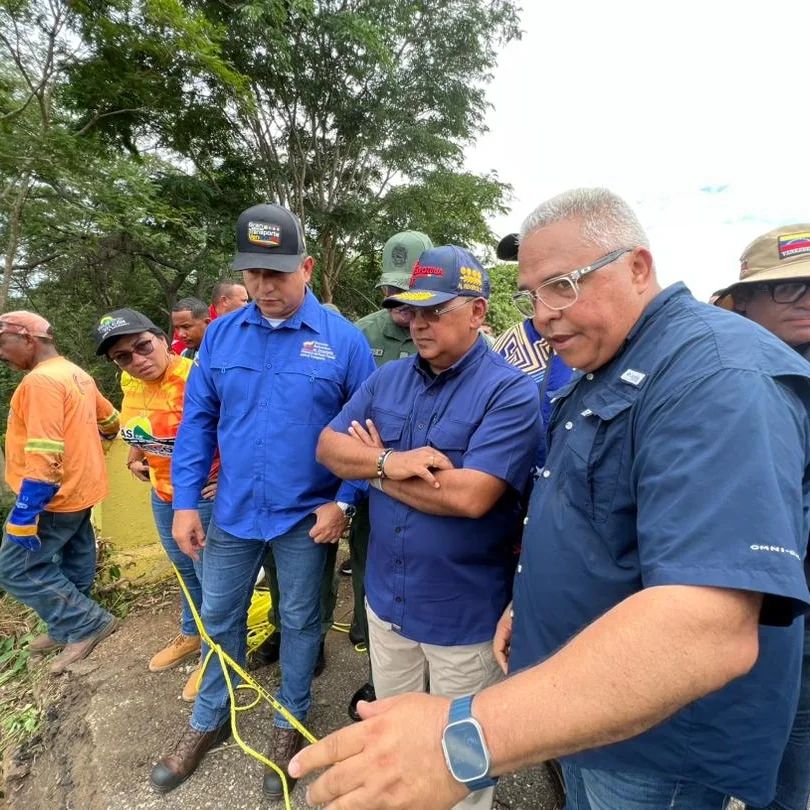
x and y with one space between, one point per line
173 769
79 650
43 643
286 743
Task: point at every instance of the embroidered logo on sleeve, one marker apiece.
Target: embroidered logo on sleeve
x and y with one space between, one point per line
316 350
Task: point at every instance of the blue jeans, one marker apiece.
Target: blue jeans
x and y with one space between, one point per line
587 789
55 581
793 781
230 566
190 569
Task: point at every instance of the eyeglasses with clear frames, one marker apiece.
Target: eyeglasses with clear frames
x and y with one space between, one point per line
143 347
561 292
430 314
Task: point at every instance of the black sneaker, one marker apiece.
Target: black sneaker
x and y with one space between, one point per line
266 653
365 692
346 567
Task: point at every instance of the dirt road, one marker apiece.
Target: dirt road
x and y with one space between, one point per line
113 719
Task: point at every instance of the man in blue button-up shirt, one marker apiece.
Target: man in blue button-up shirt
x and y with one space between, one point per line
462 427
269 378
663 550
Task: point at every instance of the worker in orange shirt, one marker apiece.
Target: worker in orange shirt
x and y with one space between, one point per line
55 467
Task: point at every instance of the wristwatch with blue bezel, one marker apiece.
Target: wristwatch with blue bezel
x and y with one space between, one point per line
465 750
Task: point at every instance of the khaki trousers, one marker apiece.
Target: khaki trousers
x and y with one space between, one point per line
401 665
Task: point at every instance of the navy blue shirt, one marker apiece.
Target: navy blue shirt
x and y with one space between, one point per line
683 461
264 394
446 580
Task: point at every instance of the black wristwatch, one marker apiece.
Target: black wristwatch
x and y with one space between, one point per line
348 509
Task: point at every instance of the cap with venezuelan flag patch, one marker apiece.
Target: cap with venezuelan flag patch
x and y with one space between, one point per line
782 254
441 274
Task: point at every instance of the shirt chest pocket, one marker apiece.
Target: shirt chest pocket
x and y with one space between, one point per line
308 396
452 437
237 381
390 426
598 452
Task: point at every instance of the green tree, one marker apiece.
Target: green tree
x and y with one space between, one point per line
502 312
325 106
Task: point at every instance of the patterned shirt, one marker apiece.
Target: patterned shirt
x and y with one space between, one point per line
150 416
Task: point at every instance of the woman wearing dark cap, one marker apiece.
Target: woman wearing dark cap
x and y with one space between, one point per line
154 383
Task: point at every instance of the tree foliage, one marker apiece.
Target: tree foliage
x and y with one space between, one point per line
133 133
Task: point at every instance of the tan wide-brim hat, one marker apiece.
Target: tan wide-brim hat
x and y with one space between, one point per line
782 254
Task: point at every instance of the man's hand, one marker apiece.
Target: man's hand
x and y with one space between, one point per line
140 469
368 435
503 639
209 490
387 762
330 523
418 463
188 532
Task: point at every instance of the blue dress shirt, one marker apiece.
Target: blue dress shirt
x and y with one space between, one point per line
446 580
682 461
263 395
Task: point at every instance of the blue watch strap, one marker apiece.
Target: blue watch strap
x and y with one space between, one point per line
461 709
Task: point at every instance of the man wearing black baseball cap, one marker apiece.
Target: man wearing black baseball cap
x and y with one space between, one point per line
268 378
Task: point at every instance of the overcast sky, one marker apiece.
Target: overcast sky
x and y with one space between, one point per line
697 113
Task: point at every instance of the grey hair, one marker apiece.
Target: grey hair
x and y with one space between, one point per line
607 220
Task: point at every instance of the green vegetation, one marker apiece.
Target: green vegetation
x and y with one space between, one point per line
132 134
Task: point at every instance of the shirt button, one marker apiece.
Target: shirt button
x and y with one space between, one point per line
398 530
398 562
262 404
397 599
268 365
546 473
569 425
420 426
589 376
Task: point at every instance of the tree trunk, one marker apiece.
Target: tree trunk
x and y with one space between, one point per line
14 222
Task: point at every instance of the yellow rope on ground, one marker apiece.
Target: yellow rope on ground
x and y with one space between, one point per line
259 627
249 684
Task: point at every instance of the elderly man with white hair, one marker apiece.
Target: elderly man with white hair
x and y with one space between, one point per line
662 559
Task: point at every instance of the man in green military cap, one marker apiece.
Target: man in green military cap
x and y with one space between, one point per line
388 334
387 329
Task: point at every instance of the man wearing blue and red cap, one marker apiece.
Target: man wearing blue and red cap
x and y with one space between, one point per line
446 439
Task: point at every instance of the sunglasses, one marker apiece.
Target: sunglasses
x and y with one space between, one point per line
784 292
430 314
143 347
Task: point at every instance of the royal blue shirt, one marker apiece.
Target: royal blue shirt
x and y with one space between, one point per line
446 580
264 394
683 461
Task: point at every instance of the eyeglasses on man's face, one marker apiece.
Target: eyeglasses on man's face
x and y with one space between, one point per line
784 292
561 292
430 314
142 347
